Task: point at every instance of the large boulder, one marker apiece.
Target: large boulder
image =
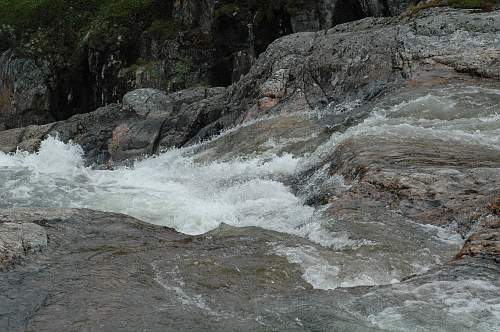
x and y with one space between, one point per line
118 132
355 62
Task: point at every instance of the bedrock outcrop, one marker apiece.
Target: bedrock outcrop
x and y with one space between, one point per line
65 269
93 59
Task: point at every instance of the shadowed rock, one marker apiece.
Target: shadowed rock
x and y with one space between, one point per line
24 93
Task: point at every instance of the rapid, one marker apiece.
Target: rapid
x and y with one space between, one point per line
177 190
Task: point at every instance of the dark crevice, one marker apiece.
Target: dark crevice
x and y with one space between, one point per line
347 11
157 140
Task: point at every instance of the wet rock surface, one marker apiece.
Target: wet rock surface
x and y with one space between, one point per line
111 271
404 234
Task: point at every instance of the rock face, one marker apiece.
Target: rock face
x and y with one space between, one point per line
355 62
351 63
242 31
24 93
183 44
325 14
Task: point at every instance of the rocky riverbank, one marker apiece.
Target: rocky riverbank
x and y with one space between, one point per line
349 181
62 58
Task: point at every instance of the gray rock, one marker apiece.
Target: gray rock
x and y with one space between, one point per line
24 94
18 240
353 62
30 145
105 271
116 133
158 113
360 60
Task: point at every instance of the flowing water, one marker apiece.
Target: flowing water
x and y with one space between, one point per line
174 189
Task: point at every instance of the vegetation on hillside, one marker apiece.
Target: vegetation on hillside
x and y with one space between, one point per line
57 27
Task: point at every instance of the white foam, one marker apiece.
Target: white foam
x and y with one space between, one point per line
316 270
170 190
472 304
54 157
319 272
443 234
172 282
315 232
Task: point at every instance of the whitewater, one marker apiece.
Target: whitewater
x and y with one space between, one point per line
176 190
173 189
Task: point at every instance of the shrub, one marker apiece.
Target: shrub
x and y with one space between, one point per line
182 68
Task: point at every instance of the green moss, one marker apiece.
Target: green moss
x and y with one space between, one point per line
182 68
124 9
472 4
150 67
227 9
33 14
